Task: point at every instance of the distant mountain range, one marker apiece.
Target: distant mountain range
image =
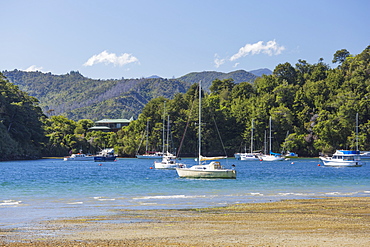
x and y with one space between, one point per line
260 72
78 97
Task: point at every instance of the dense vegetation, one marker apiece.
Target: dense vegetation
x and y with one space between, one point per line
21 129
312 106
77 97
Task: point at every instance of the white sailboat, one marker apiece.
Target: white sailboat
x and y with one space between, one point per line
148 154
203 170
345 158
250 156
271 156
168 159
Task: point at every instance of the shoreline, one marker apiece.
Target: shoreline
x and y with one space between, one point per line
338 221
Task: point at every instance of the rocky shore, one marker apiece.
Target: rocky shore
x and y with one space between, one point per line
343 221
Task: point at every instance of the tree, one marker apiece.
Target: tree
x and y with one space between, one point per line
340 56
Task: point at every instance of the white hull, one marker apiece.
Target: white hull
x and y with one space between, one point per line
272 158
160 165
249 157
168 162
189 173
342 163
212 170
79 157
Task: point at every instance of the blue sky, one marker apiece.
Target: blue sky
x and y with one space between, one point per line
170 38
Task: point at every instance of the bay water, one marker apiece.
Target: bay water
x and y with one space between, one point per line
46 189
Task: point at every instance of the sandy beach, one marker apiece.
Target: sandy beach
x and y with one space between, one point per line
341 221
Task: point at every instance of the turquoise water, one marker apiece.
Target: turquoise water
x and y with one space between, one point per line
37 190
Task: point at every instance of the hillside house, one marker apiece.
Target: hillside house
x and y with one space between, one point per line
110 125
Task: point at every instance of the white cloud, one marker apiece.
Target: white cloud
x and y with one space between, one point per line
236 65
34 68
218 62
271 48
111 58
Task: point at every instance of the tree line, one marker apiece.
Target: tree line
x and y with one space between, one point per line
312 107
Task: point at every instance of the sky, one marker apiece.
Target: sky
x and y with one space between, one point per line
110 39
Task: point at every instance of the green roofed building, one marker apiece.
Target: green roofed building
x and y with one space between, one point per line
110 125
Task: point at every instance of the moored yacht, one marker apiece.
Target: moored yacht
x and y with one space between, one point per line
344 158
203 170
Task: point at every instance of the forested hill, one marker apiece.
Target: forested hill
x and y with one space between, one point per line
78 97
207 77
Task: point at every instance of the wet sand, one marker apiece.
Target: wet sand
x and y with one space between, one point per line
343 221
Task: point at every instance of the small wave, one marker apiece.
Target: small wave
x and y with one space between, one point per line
106 199
286 194
10 203
341 193
74 203
256 194
99 198
166 197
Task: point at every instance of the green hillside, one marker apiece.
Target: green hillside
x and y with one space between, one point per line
78 97
207 77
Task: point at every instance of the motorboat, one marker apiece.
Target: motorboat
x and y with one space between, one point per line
105 155
79 157
291 155
203 170
249 157
168 162
344 158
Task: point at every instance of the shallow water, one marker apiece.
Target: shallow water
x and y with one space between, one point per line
45 189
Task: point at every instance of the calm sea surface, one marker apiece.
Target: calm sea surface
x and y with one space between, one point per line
45 189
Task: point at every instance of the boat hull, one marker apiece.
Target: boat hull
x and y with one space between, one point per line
79 159
189 173
160 165
149 156
272 158
249 157
104 159
337 163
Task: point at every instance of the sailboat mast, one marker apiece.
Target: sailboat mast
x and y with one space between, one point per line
357 131
147 136
168 133
200 122
270 135
164 122
252 136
